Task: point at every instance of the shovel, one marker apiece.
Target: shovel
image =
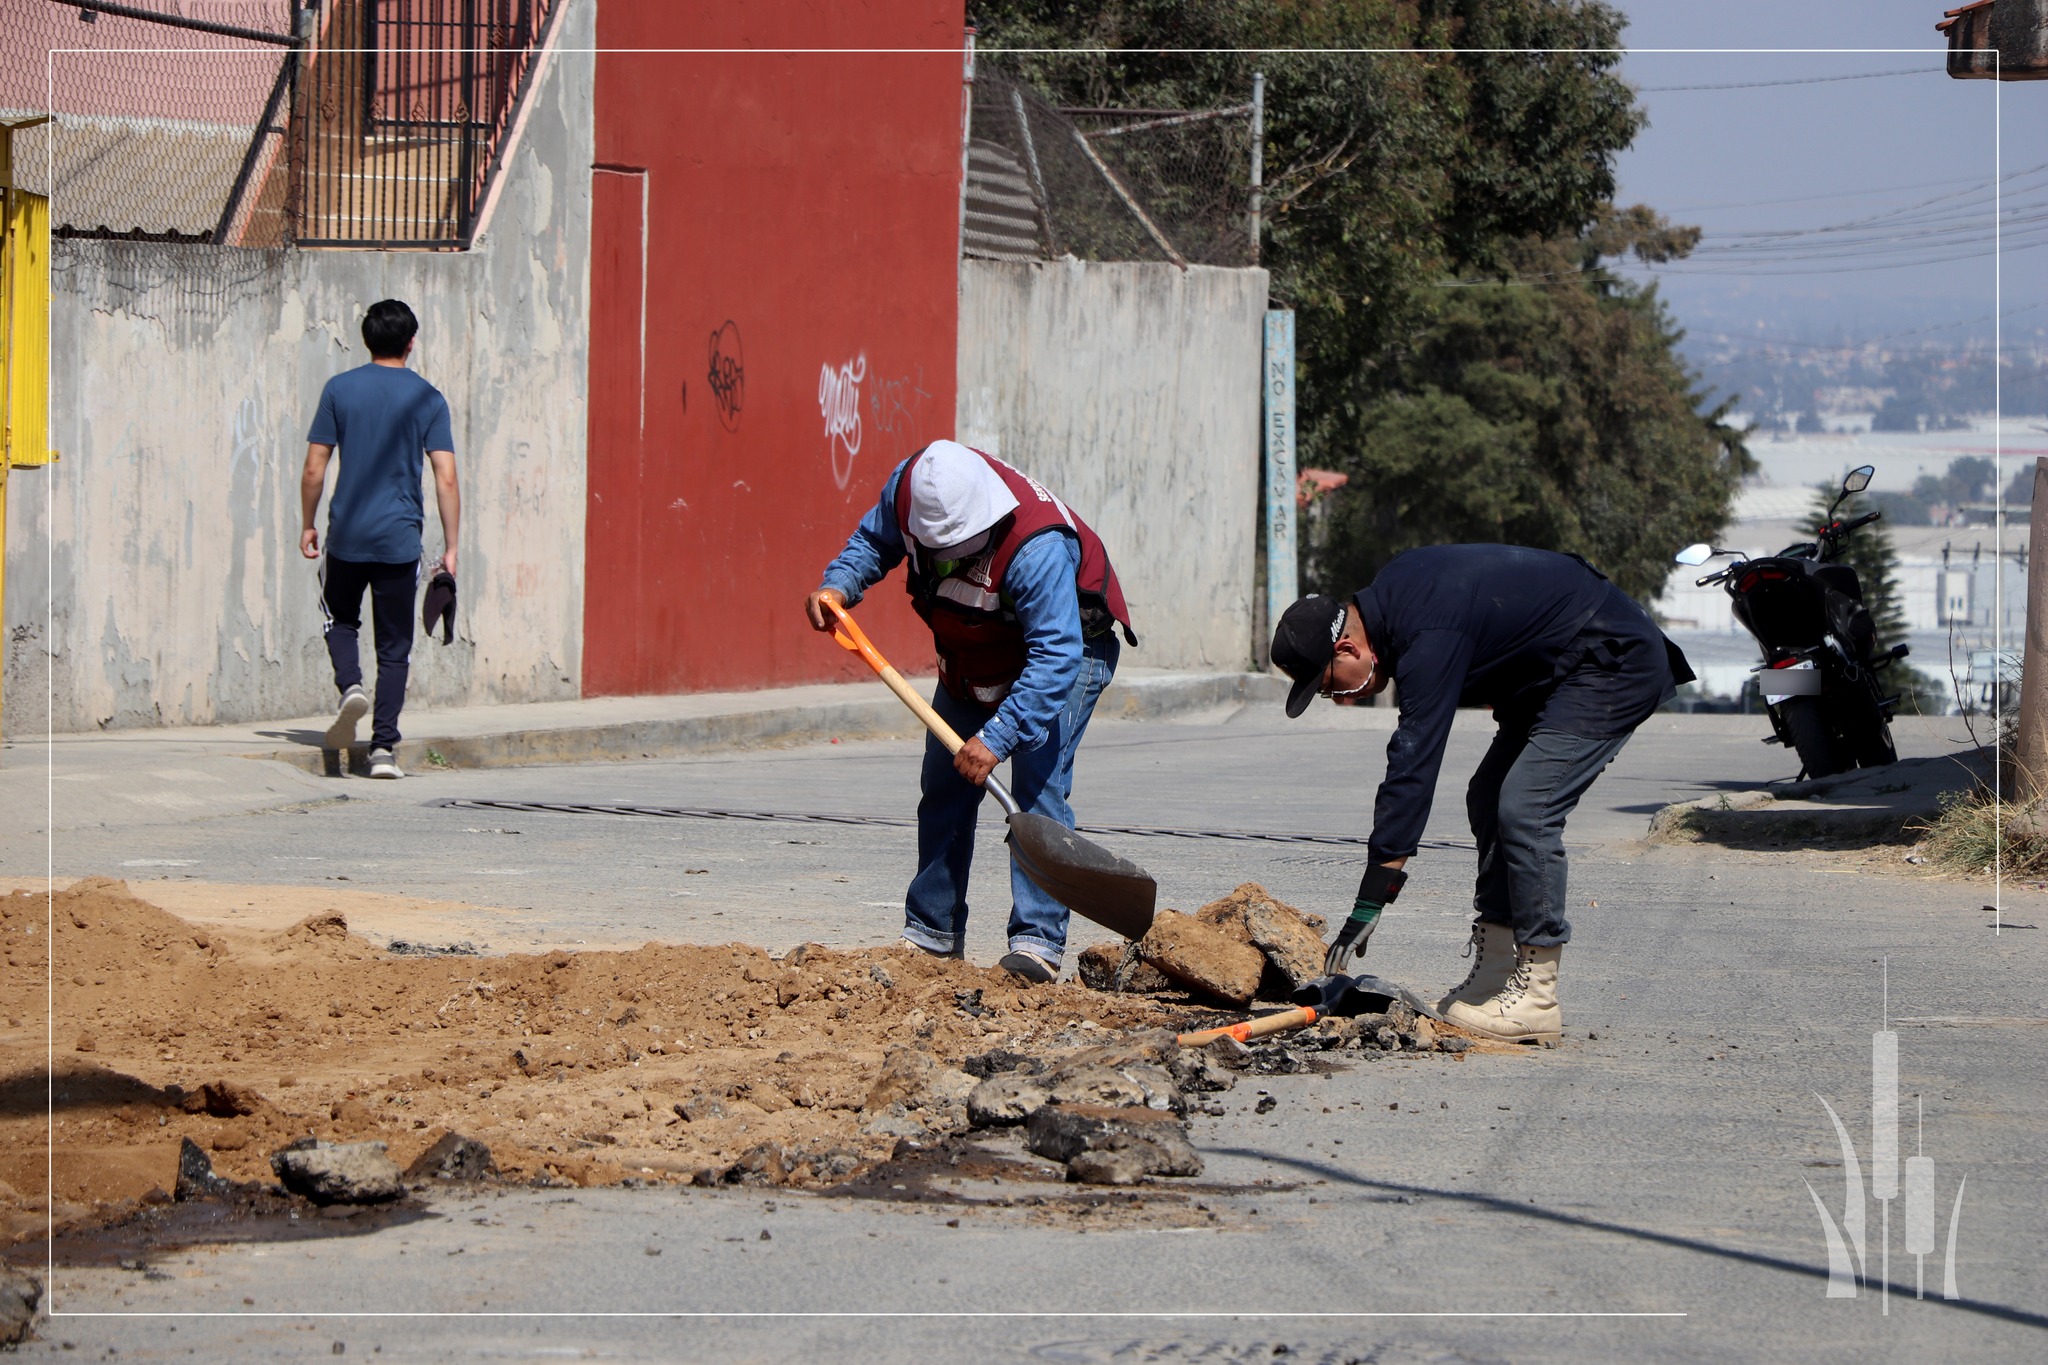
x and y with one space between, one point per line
1086 878
1347 997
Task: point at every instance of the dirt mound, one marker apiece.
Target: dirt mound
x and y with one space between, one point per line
660 1062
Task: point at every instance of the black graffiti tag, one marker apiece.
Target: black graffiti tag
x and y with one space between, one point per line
728 376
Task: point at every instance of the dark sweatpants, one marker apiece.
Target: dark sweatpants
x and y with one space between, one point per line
392 590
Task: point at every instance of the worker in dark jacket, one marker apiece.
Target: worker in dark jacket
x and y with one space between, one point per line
1024 608
1570 664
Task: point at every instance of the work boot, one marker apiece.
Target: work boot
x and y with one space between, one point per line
1492 951
910 944
1030 968
1524 1009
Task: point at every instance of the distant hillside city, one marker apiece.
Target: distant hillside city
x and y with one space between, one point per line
1784 390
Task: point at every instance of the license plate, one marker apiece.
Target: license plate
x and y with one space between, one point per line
1794 680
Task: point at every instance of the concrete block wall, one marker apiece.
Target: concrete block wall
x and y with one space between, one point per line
153 575
1132 391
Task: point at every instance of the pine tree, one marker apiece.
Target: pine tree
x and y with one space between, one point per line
1868 550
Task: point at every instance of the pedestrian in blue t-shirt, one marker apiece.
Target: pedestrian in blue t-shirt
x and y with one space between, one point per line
386 421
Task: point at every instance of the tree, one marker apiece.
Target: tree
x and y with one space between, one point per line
1390 177
1901 412
1551 412
1869 552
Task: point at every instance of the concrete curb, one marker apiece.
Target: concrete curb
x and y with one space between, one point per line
1868 806
1147 698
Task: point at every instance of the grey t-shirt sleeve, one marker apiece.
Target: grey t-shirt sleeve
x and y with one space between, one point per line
325 431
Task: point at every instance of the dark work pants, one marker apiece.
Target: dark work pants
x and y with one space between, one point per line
1529 781
392 588
1543 759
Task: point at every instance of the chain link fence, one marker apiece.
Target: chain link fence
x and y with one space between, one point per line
263 122
1106 184
155 125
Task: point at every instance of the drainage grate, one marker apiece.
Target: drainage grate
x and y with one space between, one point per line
894 822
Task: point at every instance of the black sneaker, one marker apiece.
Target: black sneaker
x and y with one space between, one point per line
1030 967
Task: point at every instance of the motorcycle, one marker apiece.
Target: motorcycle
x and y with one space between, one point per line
1820 674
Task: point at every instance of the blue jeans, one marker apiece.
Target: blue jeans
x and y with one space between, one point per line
935 907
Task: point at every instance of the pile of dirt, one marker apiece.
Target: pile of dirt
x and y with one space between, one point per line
659 1063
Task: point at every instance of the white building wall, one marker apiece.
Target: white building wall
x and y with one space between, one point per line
1132 391
153 574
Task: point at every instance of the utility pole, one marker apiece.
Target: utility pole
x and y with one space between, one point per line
2030 751
1258 158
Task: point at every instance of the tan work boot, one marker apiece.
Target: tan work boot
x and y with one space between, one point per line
1525 1009
1492 951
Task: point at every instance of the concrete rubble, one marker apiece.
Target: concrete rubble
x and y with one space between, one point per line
19 1296
454 1157
1203 958
1246 946
339 1173
1104 1145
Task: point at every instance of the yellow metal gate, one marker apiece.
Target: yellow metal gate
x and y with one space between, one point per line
24 331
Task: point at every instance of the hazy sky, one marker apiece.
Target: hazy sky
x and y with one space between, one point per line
1861 206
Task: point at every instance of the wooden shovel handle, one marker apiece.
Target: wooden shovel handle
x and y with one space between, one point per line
1253 1028
851 637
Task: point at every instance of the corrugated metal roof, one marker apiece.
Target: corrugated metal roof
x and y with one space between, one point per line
119 175
152 121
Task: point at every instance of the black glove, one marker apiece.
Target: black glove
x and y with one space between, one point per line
1352 936
440 606
1376 890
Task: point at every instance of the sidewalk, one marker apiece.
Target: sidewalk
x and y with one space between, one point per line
178 773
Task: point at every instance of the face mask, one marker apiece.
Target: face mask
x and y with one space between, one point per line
966 549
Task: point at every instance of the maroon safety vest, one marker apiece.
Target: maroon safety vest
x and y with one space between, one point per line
981 646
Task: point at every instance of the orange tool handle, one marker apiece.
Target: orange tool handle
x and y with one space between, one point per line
1253 1028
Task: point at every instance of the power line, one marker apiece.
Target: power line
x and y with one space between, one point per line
1803 80
1817 198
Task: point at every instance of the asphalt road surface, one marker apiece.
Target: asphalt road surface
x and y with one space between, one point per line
1640 1193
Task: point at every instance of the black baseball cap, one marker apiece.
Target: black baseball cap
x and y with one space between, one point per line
1304 644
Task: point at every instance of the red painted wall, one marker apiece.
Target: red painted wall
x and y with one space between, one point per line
789 339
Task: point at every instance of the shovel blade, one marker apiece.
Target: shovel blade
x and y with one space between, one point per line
1085 877
1347 997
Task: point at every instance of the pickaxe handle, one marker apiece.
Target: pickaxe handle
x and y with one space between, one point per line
1253 1028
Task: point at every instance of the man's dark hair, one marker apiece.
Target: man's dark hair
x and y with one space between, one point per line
388 328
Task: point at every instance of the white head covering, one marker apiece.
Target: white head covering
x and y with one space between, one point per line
955 496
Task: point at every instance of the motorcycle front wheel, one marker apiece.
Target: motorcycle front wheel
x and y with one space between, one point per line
1820 753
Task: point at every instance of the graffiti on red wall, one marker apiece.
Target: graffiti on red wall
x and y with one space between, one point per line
896 409
728 376
839 404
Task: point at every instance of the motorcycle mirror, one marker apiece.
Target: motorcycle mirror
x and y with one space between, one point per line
1694 554
1859 479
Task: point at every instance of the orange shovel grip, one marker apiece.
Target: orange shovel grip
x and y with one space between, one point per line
851 637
